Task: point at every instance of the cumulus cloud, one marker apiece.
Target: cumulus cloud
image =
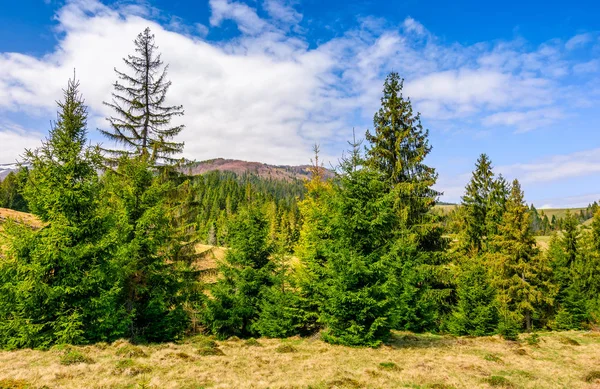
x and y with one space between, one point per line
14 139
555 168
267 94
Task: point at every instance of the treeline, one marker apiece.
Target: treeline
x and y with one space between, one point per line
221 195
542 225
116 254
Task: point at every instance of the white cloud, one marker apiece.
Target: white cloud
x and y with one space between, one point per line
578 41
246 18
283 11
14 140
267 95
555 168
525 120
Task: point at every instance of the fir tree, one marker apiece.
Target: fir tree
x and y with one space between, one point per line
476 312
521 274
358 306
142 119
61 284
246 272
476 202
398 148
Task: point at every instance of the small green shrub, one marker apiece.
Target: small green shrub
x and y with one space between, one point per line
492 358
73 357
389 366
286 348
592 376
533 339
499 381
252 343
130 368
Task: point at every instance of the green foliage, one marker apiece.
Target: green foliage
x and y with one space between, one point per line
234 306
59 284
476 312
73 357
157 284
522 275
11 188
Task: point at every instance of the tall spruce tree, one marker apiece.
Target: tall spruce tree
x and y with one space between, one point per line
522 276
141 121
398 148
61 284
476 203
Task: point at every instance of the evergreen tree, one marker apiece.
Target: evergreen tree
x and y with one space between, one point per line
521 274
476 312
358 306
11 189
236 298
398 149
476 202
142 119
60 284
496 208
158 277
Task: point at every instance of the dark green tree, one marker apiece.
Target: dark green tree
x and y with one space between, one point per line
476 312
11 188
247 271
521 274
476 202
142 119
61 283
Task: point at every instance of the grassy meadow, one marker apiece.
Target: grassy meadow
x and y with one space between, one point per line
554 360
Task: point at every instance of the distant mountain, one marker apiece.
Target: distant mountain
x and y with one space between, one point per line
6 168
263 170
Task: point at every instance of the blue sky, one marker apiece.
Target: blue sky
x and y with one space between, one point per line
263 80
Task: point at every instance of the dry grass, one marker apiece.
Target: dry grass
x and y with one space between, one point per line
408 361
20 217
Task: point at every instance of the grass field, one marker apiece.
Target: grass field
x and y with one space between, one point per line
559 360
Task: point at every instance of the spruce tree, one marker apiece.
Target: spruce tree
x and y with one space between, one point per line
476 202
476 312
141 121
495 209
62 284
398 148
521 273
247 271
359 306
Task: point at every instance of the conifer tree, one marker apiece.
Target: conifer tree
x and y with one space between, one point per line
141 121
398 148
476 312
236 298
359 307
521 274
496 208
61 284
476 202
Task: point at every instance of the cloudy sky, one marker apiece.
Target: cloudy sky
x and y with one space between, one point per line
263 80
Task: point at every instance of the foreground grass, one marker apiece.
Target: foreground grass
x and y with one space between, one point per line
558 360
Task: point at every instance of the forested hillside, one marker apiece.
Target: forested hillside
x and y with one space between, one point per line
349 256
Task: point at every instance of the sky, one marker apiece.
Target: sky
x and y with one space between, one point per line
264 80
